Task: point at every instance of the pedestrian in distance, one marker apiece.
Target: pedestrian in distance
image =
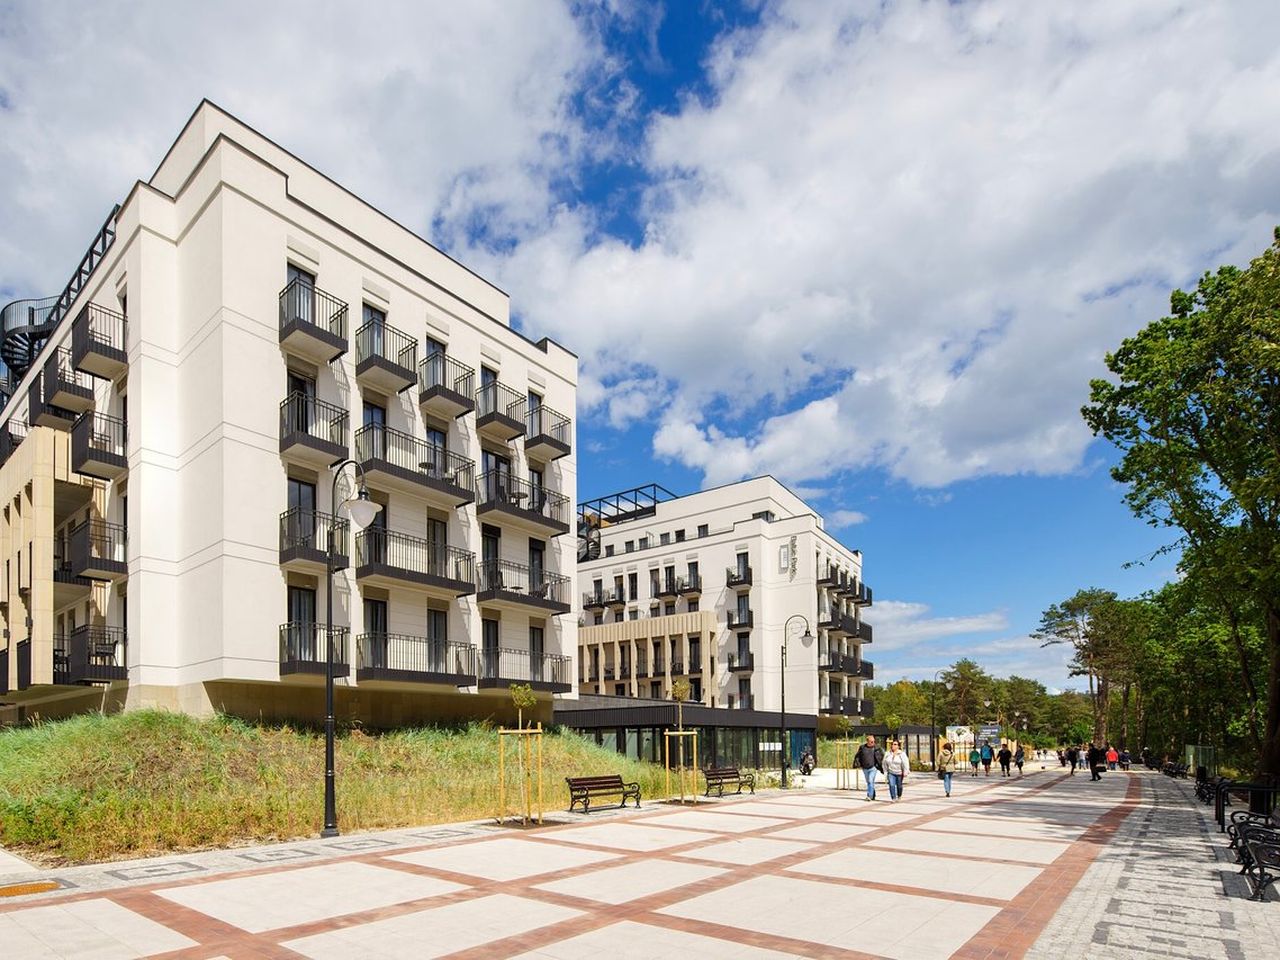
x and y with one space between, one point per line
1096 759
987 756
1005 756
896 767
1073 756
946 767
974 759
1062 757
871 759
1113 758
1125 759
1019 758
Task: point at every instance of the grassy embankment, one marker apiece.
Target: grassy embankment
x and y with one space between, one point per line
104 787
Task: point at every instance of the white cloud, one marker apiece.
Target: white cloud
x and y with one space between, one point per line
902 235
903 625
840 519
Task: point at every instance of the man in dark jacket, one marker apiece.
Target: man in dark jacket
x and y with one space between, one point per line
1097 757
871 759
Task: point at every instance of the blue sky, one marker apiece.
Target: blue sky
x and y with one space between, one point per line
877 249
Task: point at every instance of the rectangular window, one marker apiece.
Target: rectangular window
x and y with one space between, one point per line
679 536
629 547
432 346
693 605
633 615
702 529
744 606
670 608
644 543
633 586
664 538
654 588
599 619
608 550
655 691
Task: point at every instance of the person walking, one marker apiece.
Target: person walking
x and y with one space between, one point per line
1073 757
946 767
1019 758
1096 758
974 759
896 767
987 755
1005 756
1113 757
871 759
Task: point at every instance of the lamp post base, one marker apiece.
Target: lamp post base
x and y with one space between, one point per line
328 832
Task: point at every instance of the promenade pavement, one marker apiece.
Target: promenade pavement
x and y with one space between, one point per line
1043 866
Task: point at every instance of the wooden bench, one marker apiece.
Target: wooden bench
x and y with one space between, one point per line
583 789
718 777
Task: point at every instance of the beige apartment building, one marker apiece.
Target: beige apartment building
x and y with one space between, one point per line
706 586
172 427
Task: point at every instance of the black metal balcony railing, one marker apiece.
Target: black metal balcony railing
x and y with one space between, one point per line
593 676
864 669
642 669
609 672
98 339
11 437
517 581
378 340
740 619
304 416
99 550
599 599
303 649
738 576
741 661
91 654
413 558
688 586
441 370
659 667
414 459
864 596
547 432
669 589
98 445
393 656
832 660
497 398
62 380
677 668
828 577
304 535
830 621
861 630
846 706
498 489
303 303
545 671
747 703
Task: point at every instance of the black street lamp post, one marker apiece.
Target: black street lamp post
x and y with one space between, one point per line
933 720
806 638
361 510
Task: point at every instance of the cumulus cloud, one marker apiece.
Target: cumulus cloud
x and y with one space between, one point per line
900 236
903 625
840 519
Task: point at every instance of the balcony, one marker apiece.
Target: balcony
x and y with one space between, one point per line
677 668
65 387
385 357
515 586
609 672
863 597
400 461
668 589
11 436
642 669
741 662
740 620
90 655
535 509
98 551
832 661
862 631
312 431
446 388
659 667
690 586
828 578
68 587
302 650
864 669
304 540
599 599
500 412
747 703
547 434
395 658
847 707
616 600
313 324
98 446
98 341
830 621
40 414
542 671
385 558
737 577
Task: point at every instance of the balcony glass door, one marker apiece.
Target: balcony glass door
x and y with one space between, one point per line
490 550
489 641
438 641
302 294
302 391
301 526
535 413
375 330
537 647
437 548
376 417
375 625
497 471
302 623
537 567
488 400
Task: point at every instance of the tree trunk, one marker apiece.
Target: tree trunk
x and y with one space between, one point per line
1100 711
1124 719
1246 674
1269 757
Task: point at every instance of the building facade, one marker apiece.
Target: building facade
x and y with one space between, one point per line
702 587
170 439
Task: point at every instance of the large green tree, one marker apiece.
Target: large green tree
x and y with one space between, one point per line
1077 624
1194 407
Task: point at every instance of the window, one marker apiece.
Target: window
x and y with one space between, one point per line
669 578
693 605
608 550
744 610
537 562
629 547
644 543
693 572
695 650
654 589
679 536
537 651
670 608
744 692
375 330
534 413
744 645
702 530
655 691
438 625
300 525
487 398
301 640
766 515
433 346
664 538
742 565
489 648
633 586
619 689
633 615
375 626
599 619
695 689
617 588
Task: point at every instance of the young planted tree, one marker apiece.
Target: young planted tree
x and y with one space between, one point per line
1194 407
680 690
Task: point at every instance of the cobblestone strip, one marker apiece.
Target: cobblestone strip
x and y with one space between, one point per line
1159 889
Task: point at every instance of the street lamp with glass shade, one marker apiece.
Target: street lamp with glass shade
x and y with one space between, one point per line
807 639
361 511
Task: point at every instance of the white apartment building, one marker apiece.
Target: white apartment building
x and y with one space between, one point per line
172 427
702 586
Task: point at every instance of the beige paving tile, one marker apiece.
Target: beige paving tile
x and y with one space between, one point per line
822 832
928 841
896 925
505 858
1007 827
719 822
435 932
747 851
631 836
285 898
1000 881
776 808
631 881
642 941
96 929
882 818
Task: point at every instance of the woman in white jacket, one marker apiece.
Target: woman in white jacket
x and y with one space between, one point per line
896 767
